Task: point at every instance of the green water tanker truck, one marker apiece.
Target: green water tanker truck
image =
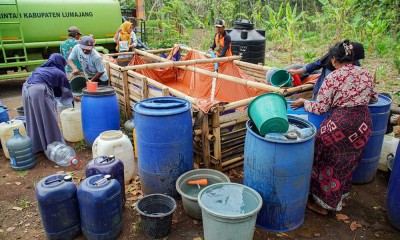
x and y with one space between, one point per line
30 30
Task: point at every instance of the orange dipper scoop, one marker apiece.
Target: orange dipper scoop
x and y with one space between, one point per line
201 182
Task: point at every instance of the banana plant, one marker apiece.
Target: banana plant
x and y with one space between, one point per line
275 23
375 30
293 23
338 14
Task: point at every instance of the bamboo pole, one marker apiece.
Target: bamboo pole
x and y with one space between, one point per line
239 63
160 50
233 160
220 76
237 104
160 86
257 76
145 88
179 63
235 165
119 54
297 89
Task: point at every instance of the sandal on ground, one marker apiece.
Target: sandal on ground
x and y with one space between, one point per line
316 208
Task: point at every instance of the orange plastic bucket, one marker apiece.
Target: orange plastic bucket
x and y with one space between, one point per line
91 86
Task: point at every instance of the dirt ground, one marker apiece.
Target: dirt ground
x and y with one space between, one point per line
19 217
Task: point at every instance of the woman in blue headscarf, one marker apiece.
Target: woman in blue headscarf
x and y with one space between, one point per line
39 93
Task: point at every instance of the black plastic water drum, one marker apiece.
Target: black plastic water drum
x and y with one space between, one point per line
248 42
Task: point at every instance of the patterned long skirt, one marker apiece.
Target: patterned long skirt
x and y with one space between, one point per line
339 144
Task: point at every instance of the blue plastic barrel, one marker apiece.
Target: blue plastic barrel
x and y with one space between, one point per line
58 207
100 207
393 193
3 114
108 165
280 171
302 113
368 166
164 138
100 112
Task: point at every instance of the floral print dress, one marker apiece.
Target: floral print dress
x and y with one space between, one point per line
343 135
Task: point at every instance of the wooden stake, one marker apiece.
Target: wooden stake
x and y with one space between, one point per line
128 111
206 143
217 143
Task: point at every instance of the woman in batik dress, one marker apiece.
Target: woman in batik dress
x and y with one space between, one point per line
342 136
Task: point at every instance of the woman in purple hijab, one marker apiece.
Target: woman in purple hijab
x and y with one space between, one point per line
39 93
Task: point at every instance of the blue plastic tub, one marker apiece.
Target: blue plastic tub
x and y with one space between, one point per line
164 139
393 193
100 112
100 207
368 166
58 207
280 171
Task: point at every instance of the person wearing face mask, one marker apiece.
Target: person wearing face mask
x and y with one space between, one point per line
342 136
90 59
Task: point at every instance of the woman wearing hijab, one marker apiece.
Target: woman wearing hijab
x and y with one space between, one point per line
39 93
342 136
125 38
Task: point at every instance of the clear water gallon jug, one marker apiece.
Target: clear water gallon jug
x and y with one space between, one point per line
62 155
20 150
7 131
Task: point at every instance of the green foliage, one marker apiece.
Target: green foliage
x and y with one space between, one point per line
396 62
293 23
275 24
337 13
375 30
80 146
24 203
309 56
23 173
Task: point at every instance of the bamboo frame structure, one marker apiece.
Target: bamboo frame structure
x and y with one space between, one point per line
218 136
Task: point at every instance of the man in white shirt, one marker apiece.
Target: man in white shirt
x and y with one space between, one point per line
90 59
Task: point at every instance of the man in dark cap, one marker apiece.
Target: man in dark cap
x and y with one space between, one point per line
90 59
222 40
325 64
66 47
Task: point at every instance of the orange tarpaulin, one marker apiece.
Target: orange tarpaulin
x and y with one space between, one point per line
198 85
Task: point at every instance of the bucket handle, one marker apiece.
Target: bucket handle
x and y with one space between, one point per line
162 104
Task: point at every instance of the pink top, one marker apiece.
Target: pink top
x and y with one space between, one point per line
348 86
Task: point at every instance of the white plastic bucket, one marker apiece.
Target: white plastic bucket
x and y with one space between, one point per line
71 123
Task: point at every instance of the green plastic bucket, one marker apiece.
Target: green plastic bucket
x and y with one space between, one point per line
268 112
281 78
229 211
77 84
